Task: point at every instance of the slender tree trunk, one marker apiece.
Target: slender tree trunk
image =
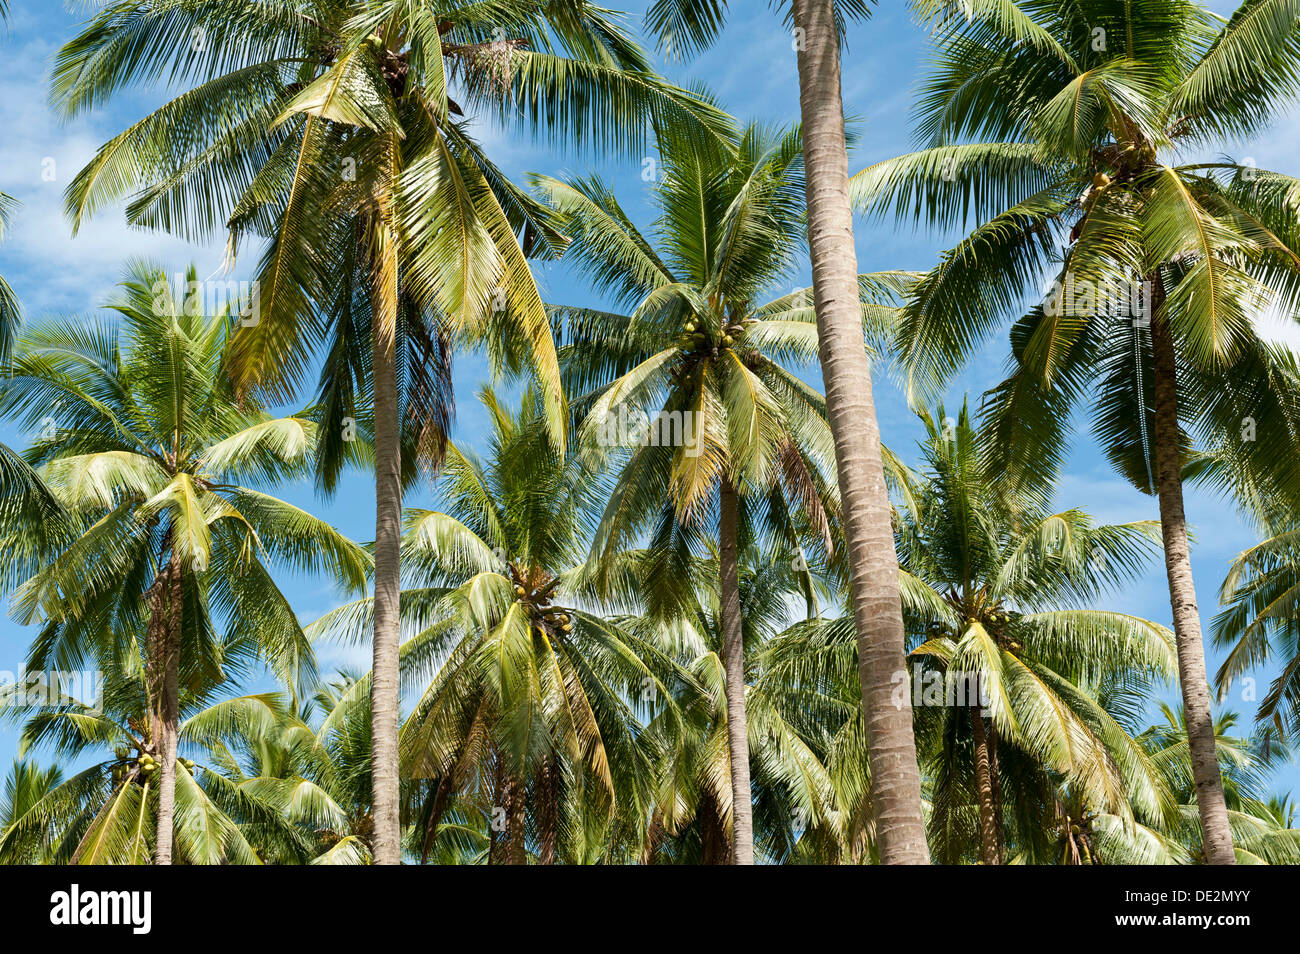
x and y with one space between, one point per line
872 560
436 809
1216 835
654 835
516 821
995 783
546 799
984 790
166 616
733 658
384 692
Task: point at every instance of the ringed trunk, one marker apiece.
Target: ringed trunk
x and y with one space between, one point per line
517 821
384 692
984 790
995 779
733 659
868 532
165 637
1216 835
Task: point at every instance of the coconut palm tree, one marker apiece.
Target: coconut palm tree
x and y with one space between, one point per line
340 131
305 763
1002 598
1263 828
793 794
1014 662
818 26
142 441
23 499
27 786
733 437
1057 132
532 705
107 813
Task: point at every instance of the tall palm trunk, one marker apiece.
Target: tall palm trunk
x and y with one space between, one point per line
995 783
546 795
1216 835
733 658
516 849
872 560
384 690
166 616
984 790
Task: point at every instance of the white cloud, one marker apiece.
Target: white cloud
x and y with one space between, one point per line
51 270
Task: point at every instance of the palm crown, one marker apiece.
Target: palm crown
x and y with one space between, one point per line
530 700
145 450
142 442
1060 133
999 589
700 344
332 127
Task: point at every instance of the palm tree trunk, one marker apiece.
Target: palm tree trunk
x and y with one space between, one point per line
984 790
733 658
436 809
655 833
547 797
384 690
1216 835
872 560
165 621
995 783
516 820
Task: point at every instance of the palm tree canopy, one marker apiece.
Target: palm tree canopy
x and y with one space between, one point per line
332 126
142 444
1059 134
705 353
519 675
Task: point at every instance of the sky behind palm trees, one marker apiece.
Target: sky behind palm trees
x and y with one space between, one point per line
752 72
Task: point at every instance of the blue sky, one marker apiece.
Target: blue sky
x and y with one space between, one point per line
751 72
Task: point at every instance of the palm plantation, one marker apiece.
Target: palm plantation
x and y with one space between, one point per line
732 443
1055 140
687 25
164 537
530 707
1008 597
337 132
654 598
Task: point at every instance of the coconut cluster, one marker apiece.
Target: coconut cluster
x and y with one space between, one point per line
535 588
